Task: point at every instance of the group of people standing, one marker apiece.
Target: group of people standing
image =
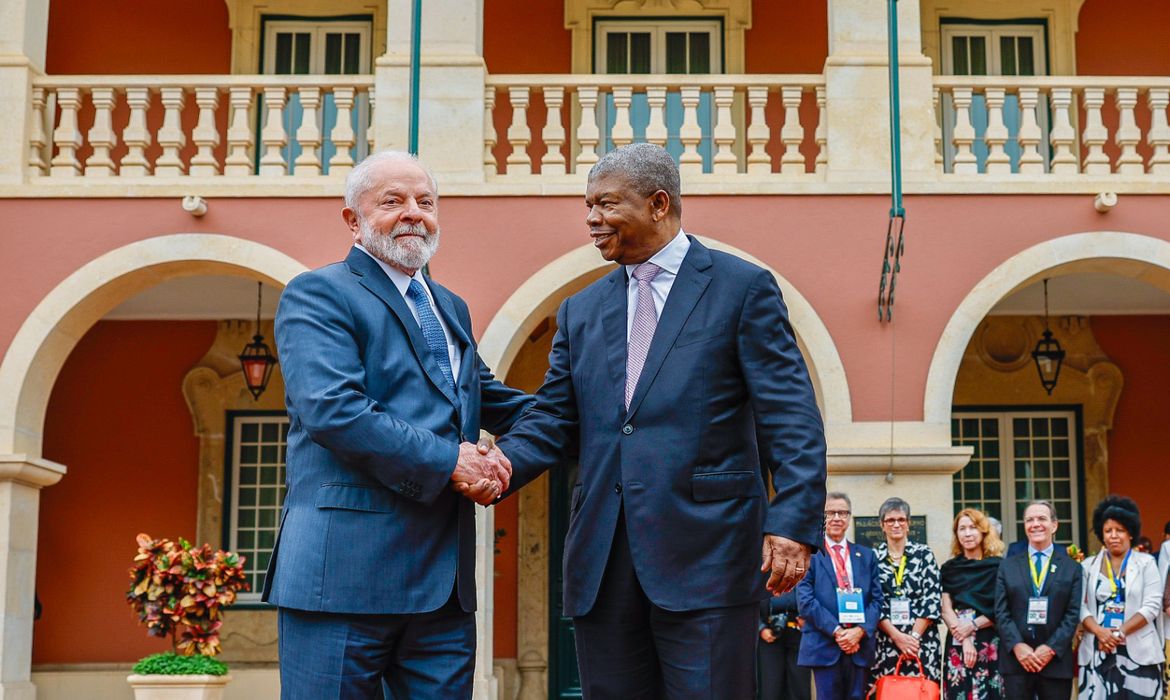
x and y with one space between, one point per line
1012 623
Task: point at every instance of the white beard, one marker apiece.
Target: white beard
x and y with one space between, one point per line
409 253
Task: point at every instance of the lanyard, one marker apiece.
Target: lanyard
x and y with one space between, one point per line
1038 577
1117 582
899 573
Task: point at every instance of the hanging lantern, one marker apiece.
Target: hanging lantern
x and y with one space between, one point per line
1048 354
256 359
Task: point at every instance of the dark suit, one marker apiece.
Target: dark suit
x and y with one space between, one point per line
839 676
371 535
1013 588
670 509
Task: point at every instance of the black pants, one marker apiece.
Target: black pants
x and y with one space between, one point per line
630 649
780 677
1030 686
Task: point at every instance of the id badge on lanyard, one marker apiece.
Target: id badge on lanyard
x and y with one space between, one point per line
1113 613
900 611
850 606
1038 610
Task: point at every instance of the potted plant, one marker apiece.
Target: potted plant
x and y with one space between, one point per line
180 591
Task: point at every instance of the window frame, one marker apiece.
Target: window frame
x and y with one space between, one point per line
318 27
658 28
234 420
1077 530
992 30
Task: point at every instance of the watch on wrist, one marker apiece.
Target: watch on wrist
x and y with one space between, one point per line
1117 634
916 634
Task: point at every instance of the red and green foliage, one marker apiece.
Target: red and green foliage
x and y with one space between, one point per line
180 591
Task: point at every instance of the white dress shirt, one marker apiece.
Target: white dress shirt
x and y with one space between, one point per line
669 259
402 283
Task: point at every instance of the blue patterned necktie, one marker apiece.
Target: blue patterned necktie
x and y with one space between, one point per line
431 330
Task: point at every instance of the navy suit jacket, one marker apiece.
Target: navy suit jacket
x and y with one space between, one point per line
817 596
369 523
724 391
1062 587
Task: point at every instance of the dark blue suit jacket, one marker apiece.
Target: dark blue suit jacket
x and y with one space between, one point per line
724 391
369 524
817 596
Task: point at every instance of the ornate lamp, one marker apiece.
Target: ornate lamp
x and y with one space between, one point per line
1048 354
256 359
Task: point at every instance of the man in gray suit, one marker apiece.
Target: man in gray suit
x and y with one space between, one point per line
374 567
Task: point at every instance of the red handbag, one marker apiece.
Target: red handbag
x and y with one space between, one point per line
899 687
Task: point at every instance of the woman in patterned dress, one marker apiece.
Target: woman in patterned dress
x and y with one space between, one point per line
910 582
1121 652
968 609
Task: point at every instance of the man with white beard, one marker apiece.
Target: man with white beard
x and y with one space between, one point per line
373 572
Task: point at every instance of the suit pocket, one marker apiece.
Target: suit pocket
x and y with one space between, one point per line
701 334
371 499
719 486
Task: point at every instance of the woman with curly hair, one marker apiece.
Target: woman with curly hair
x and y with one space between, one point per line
968 609
1121 653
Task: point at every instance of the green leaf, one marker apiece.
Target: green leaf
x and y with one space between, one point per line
168 663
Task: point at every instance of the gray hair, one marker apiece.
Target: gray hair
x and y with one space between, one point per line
646 167
838 496
893 504
1047 504
996 524
360 179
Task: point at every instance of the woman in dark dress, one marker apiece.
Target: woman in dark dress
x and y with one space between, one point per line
968 609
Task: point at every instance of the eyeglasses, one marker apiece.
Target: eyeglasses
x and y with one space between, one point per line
895 521
831 514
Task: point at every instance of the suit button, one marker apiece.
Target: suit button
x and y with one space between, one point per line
617 488
627 429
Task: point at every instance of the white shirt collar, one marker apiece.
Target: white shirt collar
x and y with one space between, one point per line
830 541
400 279
671 256
1047 551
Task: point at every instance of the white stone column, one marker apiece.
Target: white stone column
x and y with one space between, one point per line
21 480
485 687
857 93
451 87
23 30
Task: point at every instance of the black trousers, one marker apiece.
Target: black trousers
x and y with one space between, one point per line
780 677
630 649
1030 686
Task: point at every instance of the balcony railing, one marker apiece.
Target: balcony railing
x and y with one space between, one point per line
198 125
722 124
1055 125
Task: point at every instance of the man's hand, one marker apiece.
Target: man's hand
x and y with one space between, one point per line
478 473
1043 654
787 560
767 635
849 640
1027 658
486 447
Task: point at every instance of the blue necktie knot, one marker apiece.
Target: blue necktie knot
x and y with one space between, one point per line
432 330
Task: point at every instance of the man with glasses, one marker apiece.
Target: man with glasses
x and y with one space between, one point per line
840 600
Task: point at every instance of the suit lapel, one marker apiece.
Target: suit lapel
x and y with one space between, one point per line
685 293
613 321
375 280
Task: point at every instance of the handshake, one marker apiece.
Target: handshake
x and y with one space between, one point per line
482 472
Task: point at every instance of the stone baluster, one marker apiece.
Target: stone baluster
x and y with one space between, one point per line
272 135
308 162
1031 161
490 167
758 160
1128 134
136 136
37 138
101 135
588 135
67 137
1095 134
792 133
690 162
622 131
1158 137
238 160
553 160
822 133
1063 137
342 136
656 128
170 135
723 134
996 136
206 133
519 135
935 102
963 134
370 143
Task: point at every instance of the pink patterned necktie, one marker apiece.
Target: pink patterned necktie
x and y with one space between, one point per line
642 330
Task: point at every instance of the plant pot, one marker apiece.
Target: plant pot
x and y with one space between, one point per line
159 687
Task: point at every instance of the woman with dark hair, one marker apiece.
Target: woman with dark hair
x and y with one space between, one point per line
1121 653
968 609
910 581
